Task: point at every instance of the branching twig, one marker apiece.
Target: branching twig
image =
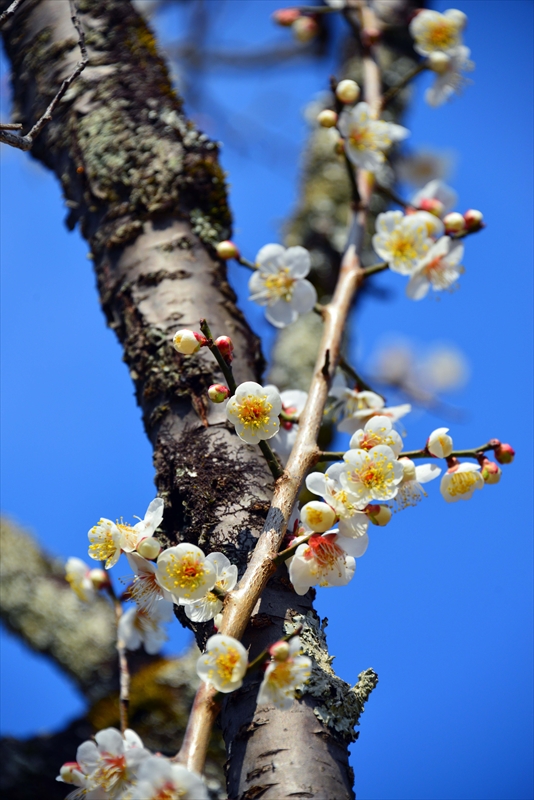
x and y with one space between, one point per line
404 81
26 142
9 12
474 452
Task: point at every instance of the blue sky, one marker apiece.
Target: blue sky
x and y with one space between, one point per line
441 604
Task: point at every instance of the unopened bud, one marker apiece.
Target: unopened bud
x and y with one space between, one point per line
70 772
454 222
409 469
504 453
347 91
490 471
327 118
305 29
99 578
279 651
188 342
317 516
438 62
226 347
227 250
432 205
218 393
473 219
285 16
379 515
149 548
458 17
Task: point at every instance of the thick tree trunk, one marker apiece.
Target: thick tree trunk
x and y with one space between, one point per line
149 195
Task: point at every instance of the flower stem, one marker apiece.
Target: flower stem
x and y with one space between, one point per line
271 459
264 655
226 369
374 268
351 372
246 263
330 455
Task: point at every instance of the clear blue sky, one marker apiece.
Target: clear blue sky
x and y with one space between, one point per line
441 605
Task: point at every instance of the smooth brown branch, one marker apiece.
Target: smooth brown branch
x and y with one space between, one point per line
26 142
9 13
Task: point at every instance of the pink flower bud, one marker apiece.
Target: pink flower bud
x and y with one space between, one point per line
454 222
279 651
218 393
473 219
305 29
149 548
378 515
99 578
188 342
327 118
285 16
504 453
347 91
227 250
432 205
490 471
226 347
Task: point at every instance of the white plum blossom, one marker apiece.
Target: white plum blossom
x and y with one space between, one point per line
161 779
460 481
145 589
185 572
145 528
293 402
401 240
112 761
433 225
283 676
450 80
139 627
438 191
224 663
410 491
72 773
209 606
358 407
108 539
77 574
279 283
325 560
434 32
439 443
377 430
352 522
372 475
366 139
254 411
439 269
424 165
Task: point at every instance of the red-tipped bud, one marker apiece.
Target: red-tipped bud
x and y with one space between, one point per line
504 453
218 393
490 471
188 342
285 16
327 118
432 205
454 222
226 347
149 548
99 578
305 29
473 219
378 515
279 651
227 250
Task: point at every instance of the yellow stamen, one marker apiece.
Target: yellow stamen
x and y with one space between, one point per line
253 412
280 285
225 664
186 572
462 482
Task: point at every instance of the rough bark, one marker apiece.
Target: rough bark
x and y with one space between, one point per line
149 195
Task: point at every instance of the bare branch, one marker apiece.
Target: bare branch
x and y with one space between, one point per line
9 11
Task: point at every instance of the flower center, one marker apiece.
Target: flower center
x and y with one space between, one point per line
442 35
364 138
325 551
280 286
375 476
462 482
105 549
111 771
253 412
169 791
282 675
225 664
186 572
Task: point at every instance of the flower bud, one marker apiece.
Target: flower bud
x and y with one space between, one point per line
473 219
490 471
99 578
279 651
226 347
458 17
438 62
379 515
347 91
305 29
285 16
317 516
149 548
409 469
70 772
218 393
188 342
439 443
504 453
432 205
227 250
454 222
327 118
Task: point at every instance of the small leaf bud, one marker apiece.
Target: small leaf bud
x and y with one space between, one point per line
454 222
99 578
327 118
504 453
347 91
317 516
227 250
285 16
188 342
473 219
279 651
379 515
218 393
226 347
149 548
490 471
305 29
409 469
438 62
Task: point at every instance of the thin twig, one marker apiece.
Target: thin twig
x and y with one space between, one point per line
10 126
404 81
226 369
124 694
26 142
374 268
271 459
359 381
9 11
474 452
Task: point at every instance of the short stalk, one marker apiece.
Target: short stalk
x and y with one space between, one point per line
374 268
271 459
226 369
246 263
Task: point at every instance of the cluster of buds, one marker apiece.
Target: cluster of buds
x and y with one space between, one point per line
303 26
470 222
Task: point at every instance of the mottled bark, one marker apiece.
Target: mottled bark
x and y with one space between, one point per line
149 195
